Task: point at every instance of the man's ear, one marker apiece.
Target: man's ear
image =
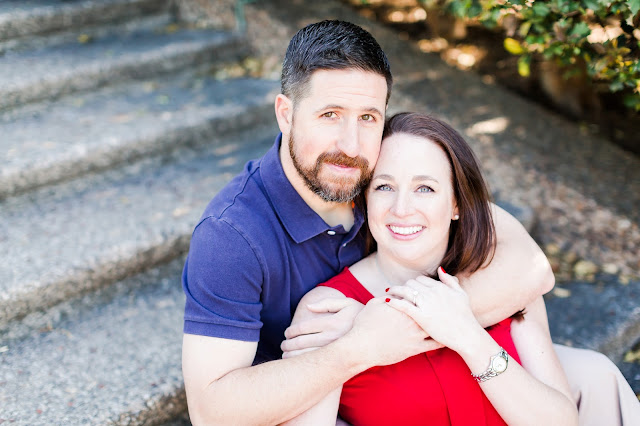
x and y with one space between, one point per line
284 113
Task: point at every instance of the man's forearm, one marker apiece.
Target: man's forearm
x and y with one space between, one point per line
493 300
276 391
518 274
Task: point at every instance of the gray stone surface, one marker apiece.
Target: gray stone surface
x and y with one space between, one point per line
52 71
110 357
604 316
66 239
53 141
631 371
84 35
19 18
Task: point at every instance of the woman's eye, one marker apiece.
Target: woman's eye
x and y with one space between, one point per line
383 187
329 114
425 189
368 117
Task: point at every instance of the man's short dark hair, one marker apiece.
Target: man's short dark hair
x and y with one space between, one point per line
330 45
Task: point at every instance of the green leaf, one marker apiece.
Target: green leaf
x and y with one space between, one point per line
616 86
634 5
580 30
541 9
524 29
524 65
632 101
513 46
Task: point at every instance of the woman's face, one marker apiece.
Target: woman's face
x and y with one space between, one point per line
410 201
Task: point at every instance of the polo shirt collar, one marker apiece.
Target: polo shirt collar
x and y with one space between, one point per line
300 221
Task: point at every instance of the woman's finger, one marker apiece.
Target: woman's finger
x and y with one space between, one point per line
413 295
404 306
450 280
426 281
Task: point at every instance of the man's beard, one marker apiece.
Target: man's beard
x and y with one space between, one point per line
339 190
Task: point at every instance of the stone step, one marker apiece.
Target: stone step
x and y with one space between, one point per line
62 240
52 71
54 141
21 18
86 34
603 315
630 367
113 356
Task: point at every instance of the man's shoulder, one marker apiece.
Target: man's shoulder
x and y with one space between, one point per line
243 207
242 201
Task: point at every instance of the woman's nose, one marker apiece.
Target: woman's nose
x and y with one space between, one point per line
401 205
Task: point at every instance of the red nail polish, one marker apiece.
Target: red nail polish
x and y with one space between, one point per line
386 289
387 300
443 271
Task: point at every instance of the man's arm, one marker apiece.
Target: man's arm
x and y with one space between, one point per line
518 274
223 388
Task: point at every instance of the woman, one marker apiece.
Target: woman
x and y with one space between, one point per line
428 211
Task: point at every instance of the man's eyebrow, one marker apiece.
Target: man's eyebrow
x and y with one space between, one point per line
373 110
330 106
370 110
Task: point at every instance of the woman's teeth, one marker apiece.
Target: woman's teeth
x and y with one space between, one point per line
408 230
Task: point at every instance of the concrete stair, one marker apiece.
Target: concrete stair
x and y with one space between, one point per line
115 135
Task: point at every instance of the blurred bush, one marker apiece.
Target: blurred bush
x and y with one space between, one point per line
593 40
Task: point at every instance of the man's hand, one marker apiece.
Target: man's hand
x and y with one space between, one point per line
383 335
327 320
441 308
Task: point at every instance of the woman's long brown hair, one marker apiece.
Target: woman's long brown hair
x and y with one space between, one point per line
472 238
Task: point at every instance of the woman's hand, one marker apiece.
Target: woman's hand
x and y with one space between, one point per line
441 308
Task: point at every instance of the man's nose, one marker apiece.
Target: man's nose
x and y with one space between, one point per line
349 141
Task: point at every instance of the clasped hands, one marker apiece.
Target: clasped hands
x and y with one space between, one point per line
441 311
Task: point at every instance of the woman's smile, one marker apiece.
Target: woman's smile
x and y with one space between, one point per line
404 232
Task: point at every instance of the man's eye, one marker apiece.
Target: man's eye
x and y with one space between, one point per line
425 188
368 117
383 187
329 114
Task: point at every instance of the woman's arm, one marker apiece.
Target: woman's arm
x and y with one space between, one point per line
534 393
326 411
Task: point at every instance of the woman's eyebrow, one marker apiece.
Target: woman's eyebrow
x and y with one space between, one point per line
425 177
383 176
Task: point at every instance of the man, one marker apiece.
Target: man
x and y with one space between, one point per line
287 223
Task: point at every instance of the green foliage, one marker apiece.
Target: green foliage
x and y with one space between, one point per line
598 36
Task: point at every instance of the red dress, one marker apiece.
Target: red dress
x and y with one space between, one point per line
434 388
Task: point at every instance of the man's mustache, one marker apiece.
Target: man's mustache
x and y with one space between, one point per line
341 159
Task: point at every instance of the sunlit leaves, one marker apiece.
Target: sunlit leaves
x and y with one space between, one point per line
560 30
513 46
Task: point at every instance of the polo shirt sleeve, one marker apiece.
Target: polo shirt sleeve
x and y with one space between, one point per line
222 281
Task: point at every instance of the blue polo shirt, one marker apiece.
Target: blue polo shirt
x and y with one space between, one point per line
257 249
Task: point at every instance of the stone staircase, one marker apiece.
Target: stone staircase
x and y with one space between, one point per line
114 135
